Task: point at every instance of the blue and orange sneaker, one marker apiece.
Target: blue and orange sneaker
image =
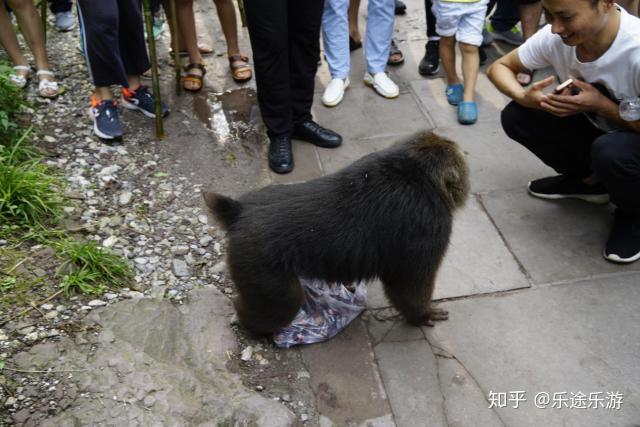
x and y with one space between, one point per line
141 99
106 123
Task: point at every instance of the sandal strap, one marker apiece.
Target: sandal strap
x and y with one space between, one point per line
47 84
44 73
197 66
22 68
237 58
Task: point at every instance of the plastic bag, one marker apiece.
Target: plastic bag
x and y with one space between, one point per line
328 308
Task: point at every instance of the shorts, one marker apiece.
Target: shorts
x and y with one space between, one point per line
463 20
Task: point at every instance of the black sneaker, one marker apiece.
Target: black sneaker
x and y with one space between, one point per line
566 187
106 123
281 154
142 100
623 245
430 63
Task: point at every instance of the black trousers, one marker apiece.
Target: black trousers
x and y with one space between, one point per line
573 146
58 6
114 44
285 39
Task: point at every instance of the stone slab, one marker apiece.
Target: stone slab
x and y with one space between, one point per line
306 165
554 240
351 150
363 114
345 379
572 338
410 375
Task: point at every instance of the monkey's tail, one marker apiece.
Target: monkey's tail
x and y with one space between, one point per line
224 209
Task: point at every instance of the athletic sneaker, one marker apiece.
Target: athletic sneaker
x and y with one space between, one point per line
566 187
623 245
106 123
141 99
512 36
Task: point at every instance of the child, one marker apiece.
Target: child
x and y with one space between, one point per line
461 20
579 131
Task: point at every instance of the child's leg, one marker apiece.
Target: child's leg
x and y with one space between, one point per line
448 59
470 67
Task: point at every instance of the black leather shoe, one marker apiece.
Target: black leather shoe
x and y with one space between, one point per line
430 63
312 132
280 154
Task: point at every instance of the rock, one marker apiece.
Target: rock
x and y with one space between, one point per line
51 315
179 268
109 241
304 417
140 261
216 247
3 242
259 388
189 259
219 267
204 241
149 401
53 333
286 398
181 250
10 401
47 306
125 198
110 296
203 219
3 336
97 303
33 336
246 353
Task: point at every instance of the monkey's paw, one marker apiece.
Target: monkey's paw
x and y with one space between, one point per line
436 314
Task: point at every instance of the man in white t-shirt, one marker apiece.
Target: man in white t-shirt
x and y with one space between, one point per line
579 131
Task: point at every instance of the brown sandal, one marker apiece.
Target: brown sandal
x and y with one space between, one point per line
239 67
395 54
195 79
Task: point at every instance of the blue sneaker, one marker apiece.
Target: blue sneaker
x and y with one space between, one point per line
141 99
467 112
106 123
454 93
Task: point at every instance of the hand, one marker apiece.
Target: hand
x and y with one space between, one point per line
565 104
533 96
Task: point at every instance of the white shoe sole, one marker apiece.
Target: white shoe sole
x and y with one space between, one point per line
339 100
598 199
379 91
616 258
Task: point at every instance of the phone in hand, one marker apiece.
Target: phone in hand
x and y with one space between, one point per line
562 86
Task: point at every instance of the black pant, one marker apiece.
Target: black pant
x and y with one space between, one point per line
431 19
58 6
573 146
114 44
285 39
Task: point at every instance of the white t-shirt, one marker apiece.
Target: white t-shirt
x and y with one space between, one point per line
616 73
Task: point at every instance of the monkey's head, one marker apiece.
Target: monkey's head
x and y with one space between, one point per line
445 163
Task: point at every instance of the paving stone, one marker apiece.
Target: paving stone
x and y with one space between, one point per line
351 150
410 377
571 338
554 240
306 164
345 379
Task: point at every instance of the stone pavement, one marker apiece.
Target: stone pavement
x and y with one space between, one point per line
534 307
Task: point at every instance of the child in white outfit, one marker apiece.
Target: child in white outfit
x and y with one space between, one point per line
461 20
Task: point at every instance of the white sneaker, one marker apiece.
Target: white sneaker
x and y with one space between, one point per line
334 93
382 84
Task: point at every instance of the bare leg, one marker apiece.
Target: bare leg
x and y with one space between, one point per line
470 66
530 18
354 31
9 41
229 24
188 37
103 93
30 24
448 59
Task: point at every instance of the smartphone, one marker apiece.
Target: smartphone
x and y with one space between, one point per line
562 86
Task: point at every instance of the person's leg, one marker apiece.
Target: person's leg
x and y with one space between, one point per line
430 62
431 21
228 22
31 27
354 31
188 40
9 42
506 15
131 41
380 16
304 50
470 67
448 59
469 37
335 36
267 22
530 13
562 143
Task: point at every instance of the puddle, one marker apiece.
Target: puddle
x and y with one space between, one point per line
232 116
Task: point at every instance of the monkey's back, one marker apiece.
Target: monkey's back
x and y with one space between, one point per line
370 219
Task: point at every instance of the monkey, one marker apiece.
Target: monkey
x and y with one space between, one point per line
388 215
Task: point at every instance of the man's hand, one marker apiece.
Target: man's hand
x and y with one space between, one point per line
588 99
533 97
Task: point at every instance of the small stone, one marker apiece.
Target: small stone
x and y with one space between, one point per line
96 303
10 401
219 267
204 241
259 388
304 417
33 336
51 315
179 268
109 241
125 198
189 259
228 291
149 401
48 138
216 247
110 296
53 333
203 219
140 261
246 353
3 242
3 336
172 293
181 250
286 398
47 306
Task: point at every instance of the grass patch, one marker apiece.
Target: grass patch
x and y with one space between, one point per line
96 269
11 101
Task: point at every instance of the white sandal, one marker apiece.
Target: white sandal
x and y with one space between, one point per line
20 80
47 88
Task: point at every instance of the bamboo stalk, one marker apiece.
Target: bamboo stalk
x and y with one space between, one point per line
43 17
175 42
243 17
155 81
